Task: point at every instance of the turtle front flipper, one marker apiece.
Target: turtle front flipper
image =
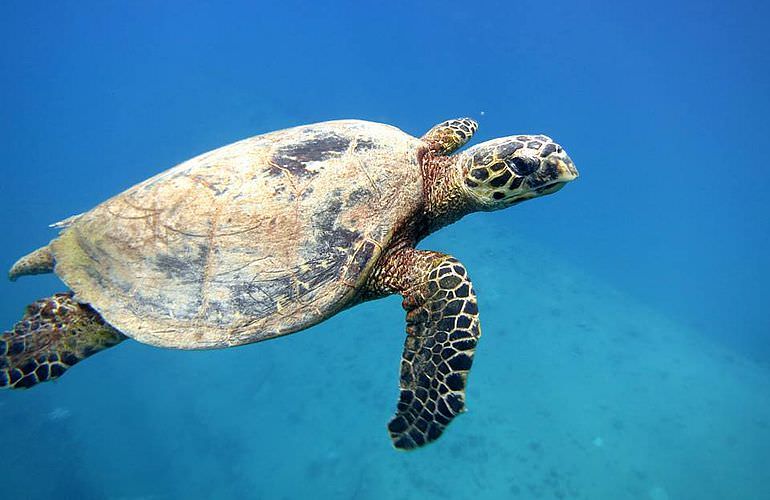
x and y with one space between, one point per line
54 334
442 327
449 136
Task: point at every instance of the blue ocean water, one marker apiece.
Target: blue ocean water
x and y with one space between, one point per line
626 351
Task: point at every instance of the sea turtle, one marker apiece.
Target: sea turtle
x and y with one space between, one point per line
276 233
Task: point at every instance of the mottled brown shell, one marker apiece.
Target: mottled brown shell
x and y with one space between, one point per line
257 239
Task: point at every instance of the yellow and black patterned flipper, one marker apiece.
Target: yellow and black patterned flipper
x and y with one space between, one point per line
449 136
442 326
54 334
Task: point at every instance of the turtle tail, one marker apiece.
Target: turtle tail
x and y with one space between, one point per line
54 334
40 261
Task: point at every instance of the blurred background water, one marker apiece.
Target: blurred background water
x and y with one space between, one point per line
626 350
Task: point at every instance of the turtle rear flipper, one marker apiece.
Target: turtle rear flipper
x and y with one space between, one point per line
54 334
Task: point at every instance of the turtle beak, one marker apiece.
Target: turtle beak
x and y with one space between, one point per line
554 172
566 169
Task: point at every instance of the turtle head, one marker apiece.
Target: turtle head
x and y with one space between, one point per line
506 171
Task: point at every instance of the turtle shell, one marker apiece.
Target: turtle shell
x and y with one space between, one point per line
254 240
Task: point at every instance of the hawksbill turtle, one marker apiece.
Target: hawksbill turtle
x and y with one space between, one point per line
276 233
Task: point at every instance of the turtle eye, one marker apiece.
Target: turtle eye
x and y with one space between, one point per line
524 165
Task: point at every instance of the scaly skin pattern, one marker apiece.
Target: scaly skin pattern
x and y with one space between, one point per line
54 334
449 136
442 326
442 312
